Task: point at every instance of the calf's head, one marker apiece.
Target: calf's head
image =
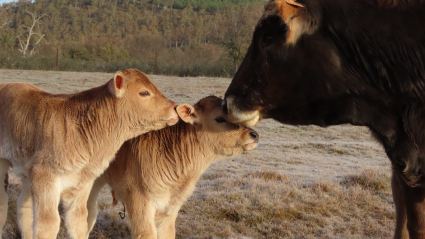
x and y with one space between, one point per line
140 105
287 68
215 131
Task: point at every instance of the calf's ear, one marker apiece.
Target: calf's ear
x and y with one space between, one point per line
188 113
117 85
299 18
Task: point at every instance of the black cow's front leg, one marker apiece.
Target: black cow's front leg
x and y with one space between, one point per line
401 231
414 206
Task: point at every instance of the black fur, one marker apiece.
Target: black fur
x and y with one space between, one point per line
364 65
6 182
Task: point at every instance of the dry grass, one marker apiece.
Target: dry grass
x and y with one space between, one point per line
11 229
266 205
269 207
268 176
300 182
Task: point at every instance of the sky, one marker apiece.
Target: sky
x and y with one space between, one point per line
3 1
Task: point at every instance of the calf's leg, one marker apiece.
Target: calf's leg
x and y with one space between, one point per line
167 226
25 209
76 214
142 216
45 189
92 203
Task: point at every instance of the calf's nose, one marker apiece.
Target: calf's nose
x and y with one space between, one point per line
175 106
254 135
174 117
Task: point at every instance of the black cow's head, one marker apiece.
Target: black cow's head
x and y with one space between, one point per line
290 69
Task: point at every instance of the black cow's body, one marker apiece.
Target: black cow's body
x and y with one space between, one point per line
329 62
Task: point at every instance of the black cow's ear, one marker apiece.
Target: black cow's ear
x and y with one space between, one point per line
297 16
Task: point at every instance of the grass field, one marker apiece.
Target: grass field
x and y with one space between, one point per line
300 182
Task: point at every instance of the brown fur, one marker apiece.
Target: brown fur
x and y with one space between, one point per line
298 20
59 144
155 173
301 20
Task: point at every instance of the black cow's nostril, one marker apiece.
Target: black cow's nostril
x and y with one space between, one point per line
254 135
224 104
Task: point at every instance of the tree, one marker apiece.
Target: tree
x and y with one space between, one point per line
211 36
4 19
5 24
239 22
25 42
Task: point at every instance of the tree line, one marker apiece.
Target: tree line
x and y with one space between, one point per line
172 37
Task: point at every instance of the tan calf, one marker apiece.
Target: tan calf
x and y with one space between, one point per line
155 173
59 144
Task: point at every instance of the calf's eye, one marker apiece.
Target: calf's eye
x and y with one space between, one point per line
220 119
144 93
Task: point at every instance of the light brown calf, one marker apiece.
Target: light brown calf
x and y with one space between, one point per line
59 144
155 173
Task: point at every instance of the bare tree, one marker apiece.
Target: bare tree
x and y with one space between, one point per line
239 22
32 30
5 24
4 19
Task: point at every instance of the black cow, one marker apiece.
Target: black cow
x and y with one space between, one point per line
330 62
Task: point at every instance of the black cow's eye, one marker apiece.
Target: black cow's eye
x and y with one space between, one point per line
220 119
144 93
268 39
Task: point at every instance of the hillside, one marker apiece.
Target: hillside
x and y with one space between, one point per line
188 37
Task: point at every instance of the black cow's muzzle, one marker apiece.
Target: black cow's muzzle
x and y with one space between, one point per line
224 105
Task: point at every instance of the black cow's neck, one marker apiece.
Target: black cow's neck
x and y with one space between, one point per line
382 51
374 112
383 47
